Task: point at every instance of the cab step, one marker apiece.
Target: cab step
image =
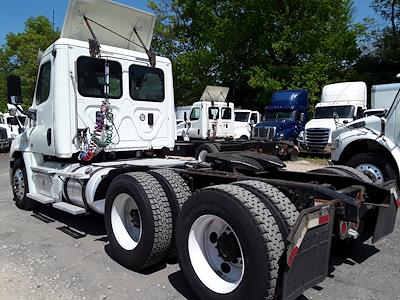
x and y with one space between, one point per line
52 172
40 198
69 208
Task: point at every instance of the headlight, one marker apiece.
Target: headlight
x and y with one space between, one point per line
300 137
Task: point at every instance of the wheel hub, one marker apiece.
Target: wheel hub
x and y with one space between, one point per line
135 218
228 248
18 184
372 171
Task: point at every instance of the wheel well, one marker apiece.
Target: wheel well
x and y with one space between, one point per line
364 146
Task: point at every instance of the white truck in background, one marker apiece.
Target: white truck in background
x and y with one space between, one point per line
340 103
12 123
382 96
245 119
242 227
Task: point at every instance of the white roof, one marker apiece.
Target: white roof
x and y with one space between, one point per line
117 17
215 93
345 92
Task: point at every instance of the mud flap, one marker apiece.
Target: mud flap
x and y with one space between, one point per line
308 251
386 218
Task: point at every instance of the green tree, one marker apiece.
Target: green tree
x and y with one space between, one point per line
256 46
19 55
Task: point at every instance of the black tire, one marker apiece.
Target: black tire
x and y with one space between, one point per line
207 147
281 207
178 192
155 220
352 172
254 226
374 159
21 201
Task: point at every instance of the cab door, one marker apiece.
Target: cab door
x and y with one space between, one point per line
226 129
42 132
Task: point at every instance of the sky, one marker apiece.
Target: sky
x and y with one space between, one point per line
13 13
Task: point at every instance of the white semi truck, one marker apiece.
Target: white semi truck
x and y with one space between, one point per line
346 100
371 144
245 120
242 227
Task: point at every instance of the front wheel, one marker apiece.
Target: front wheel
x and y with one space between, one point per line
374 165
19 184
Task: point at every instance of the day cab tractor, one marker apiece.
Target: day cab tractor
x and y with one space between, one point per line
241 226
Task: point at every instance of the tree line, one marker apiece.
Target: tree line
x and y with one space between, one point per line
254 47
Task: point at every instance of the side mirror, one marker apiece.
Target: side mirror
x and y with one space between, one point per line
185 116
14 90
336 117
345 121
302 117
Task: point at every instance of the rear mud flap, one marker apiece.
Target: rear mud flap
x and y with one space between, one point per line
386 218
309 265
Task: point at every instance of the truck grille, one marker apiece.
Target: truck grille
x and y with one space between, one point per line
317 136
267 133
3 133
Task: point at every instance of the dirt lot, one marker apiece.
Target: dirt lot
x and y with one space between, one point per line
38 261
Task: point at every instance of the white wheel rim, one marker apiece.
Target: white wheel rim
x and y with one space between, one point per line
372 172
126 221
19 184
210 267
202 155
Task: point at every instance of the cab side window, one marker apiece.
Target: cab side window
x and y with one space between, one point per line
213 113
226 113
195 114
43 84
254 118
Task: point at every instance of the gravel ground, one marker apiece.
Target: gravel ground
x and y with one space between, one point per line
38 261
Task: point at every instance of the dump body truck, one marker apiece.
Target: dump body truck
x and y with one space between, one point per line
240 225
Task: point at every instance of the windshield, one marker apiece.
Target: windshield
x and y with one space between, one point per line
279 115
13 120
344 112
242 116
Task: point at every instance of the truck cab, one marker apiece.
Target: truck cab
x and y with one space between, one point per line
340 103
245 120
211 117
285 117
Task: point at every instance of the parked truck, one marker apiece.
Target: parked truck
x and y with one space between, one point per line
371 144
340 103
241 226
245 120
382 96
209 127
285 117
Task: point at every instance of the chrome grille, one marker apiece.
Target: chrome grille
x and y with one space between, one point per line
317 136
3 133
267 133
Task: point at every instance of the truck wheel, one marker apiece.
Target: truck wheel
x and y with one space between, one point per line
177 191
20 188
352 172
204 149
281 207
229 244
138 220
374 165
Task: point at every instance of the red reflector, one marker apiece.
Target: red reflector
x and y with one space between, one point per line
398 203
323 219
292 256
